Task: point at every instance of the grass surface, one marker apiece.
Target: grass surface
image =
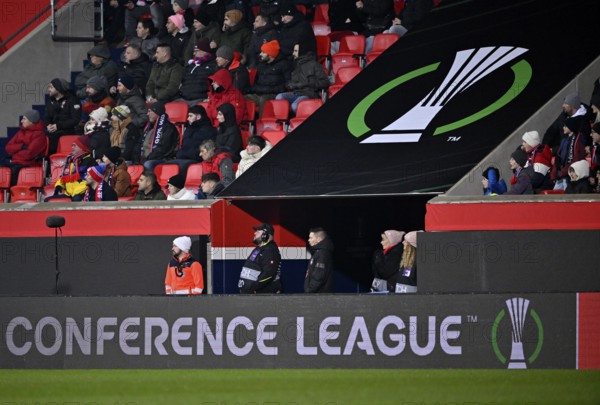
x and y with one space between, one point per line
225 387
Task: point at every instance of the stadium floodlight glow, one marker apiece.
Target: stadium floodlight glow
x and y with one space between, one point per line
469 67
517 308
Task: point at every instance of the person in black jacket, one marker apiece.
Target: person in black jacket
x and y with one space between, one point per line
160 139
319 274
63 112
386 262
264 31
295 30
229 136
194 84
198 131
137 65
262 270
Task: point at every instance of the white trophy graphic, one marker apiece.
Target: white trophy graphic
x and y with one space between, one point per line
469 66
517 308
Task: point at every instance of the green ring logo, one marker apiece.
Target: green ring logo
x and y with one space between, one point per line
518 310
469 67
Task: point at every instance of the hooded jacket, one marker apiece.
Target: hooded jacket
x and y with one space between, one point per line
308 76
581 185
65 112
28 144
137 105
226 93
194 135
107 68
297 31
319 274
229 136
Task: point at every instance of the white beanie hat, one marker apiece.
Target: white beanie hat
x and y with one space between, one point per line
581 168
99 114
532 138
411 238
184 243
394 236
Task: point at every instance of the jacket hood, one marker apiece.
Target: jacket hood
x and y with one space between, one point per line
582 169
221 76
100 50
228 112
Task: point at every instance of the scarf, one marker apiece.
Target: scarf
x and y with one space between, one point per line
69 175
97 193
156 133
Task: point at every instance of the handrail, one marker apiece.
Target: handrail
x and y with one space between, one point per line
98 17
24 27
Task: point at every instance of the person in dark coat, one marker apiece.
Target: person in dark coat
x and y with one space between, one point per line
199 130
194 85
148 188
204 27
386 261
235 33
123 132
159 141
343 18
579 173
377 15
100 65
294 30
130 94
97 188
97 128
137 65
264 31
63 112
319 274
229 136
521 181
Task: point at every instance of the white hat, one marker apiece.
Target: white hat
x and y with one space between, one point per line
99 114
184 243
394 236
581 168
532 138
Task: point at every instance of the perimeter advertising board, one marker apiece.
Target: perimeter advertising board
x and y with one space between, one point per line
329 331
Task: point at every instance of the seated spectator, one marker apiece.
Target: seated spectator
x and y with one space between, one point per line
343 18
264 31
136 65
236 34
386 261
194 84
579 173
124 134
130 96
407 279
177 192
100 65
294 29
210 187
204 27
595 149
71 183
522 174
227 59
182 7
165 77
97 95
377 15
222 91
159 141
198 130
574 109
178 36
216 161
145 38
492 183
412 13
229 136
539 157
97 131
256 149
63 112
307 79
115 173
97 188
272 74
27 147
148 188
134 12
571 149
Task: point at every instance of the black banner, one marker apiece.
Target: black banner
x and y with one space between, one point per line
328 331
434 104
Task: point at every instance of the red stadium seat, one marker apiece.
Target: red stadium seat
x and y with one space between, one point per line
164 172
305 110
177 112
381 42
321 29
5 175
343 76
324 51
29 186
64 144
193 178
274 116
273 136
321 13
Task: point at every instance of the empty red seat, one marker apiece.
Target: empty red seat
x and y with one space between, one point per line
164 172
29 185
273 136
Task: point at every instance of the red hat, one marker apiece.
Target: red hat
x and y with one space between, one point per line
96 173
271 48
83 142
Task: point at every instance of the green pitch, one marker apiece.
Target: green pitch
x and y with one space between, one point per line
310 387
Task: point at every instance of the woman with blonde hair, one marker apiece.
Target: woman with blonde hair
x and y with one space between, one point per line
407 277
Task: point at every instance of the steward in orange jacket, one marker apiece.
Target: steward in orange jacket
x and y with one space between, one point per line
184 273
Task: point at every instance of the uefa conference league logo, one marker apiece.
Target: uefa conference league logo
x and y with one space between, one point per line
468 68
517 309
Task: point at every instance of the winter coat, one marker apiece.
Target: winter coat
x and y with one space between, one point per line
340 11
377 16
27 145
194 84
64 112
414 11
236 37
319 274
271 78
521 183
308 77
178 44
221 164
260 37
581 186
386 265
71 182
229 136
212 32
148 45
125 135
100 140
193 136
158 146
155 195
119 179
574 142
297 31
540 159
100 99
248 160
165 78
227 93
139 69
137 105
107 68
240 78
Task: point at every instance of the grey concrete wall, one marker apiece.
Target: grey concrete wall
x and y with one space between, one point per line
28 67
470 184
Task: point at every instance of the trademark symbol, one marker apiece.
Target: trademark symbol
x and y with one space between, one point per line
453 139
472 318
